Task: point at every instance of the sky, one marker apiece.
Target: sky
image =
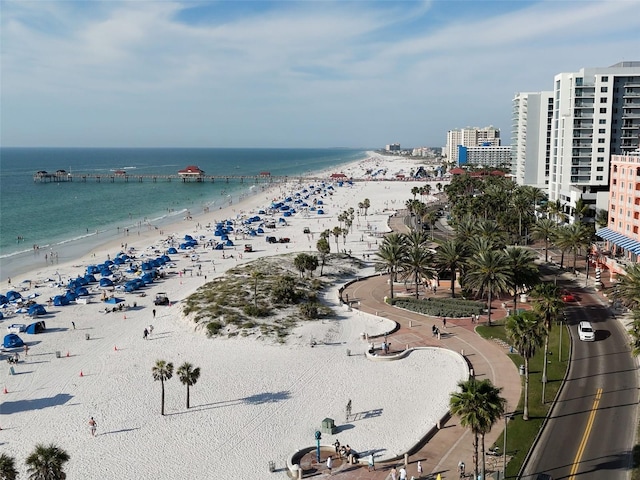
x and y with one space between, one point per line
293 74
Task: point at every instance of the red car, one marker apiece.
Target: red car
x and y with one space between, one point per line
568 296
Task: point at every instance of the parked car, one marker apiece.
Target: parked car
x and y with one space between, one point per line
586 333
271 239
284 240
248 248
306 230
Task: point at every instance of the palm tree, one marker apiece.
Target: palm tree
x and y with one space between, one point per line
188 376
628 288
336 232
324 249
450 256
489 273
255 276
430 218
526 331
7 467
574 237
524 272
366 204
634 333
391 254
479 406
548 304
46 462
300 262
162 371
545 229
417 265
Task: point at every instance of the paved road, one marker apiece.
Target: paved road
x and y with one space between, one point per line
591 430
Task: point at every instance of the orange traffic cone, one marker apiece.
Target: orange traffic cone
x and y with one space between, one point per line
5 390
81 374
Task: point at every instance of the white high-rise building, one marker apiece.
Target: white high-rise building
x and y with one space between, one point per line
470 137
596 114
531 138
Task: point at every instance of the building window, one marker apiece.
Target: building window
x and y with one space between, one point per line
604 78
599 178
604 89
602 130
599 169
601 140
603 110
600 159
600 149
603 99
602 121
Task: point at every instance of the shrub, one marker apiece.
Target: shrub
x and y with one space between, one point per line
309 310
284 290
255 311
213 328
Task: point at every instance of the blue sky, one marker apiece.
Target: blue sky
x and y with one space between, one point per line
288 73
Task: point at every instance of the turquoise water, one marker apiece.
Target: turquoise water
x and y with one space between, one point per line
55 214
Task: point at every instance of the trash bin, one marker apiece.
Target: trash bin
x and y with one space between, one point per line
58 354
521 369
11 371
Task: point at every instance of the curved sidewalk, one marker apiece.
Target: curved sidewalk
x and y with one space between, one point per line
452 442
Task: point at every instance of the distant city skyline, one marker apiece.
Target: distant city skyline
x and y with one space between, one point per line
358 74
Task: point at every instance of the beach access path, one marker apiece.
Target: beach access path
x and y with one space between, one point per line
452 443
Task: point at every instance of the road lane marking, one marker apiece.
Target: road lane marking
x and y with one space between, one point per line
585 436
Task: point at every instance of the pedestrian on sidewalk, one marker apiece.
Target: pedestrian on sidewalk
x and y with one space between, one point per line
434 330
403 473
329 464
444 323
371 462
419 466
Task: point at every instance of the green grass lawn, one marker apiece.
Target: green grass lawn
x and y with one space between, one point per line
521 434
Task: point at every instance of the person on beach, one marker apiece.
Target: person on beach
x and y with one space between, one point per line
329 464
154 313
371 462
73 324
145 334
92 426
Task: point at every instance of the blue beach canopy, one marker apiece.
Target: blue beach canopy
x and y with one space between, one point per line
12 341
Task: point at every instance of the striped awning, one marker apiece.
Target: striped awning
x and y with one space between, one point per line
619 240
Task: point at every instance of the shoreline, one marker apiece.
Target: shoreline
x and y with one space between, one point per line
28 262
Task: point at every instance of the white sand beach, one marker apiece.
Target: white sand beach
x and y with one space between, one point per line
256 401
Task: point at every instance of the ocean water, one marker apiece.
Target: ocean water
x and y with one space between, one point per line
55 215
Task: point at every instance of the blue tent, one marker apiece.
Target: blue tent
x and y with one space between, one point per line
1 315
90 278
12 341
166 258
36 327
36 309
60 300
13 295
219 246
3 299
91 269
105 282
172 251
82 292
114 300
71 296
147 278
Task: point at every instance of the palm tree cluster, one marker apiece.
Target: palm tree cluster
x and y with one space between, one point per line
163 371
305 263
46 462
407 256
627 291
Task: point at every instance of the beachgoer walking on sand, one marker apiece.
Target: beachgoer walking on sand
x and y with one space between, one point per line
145 334
329 464
73 324
26 350
92 426
150 329
154 313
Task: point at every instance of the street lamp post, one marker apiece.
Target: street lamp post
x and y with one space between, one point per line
507 417
587 276
318 437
